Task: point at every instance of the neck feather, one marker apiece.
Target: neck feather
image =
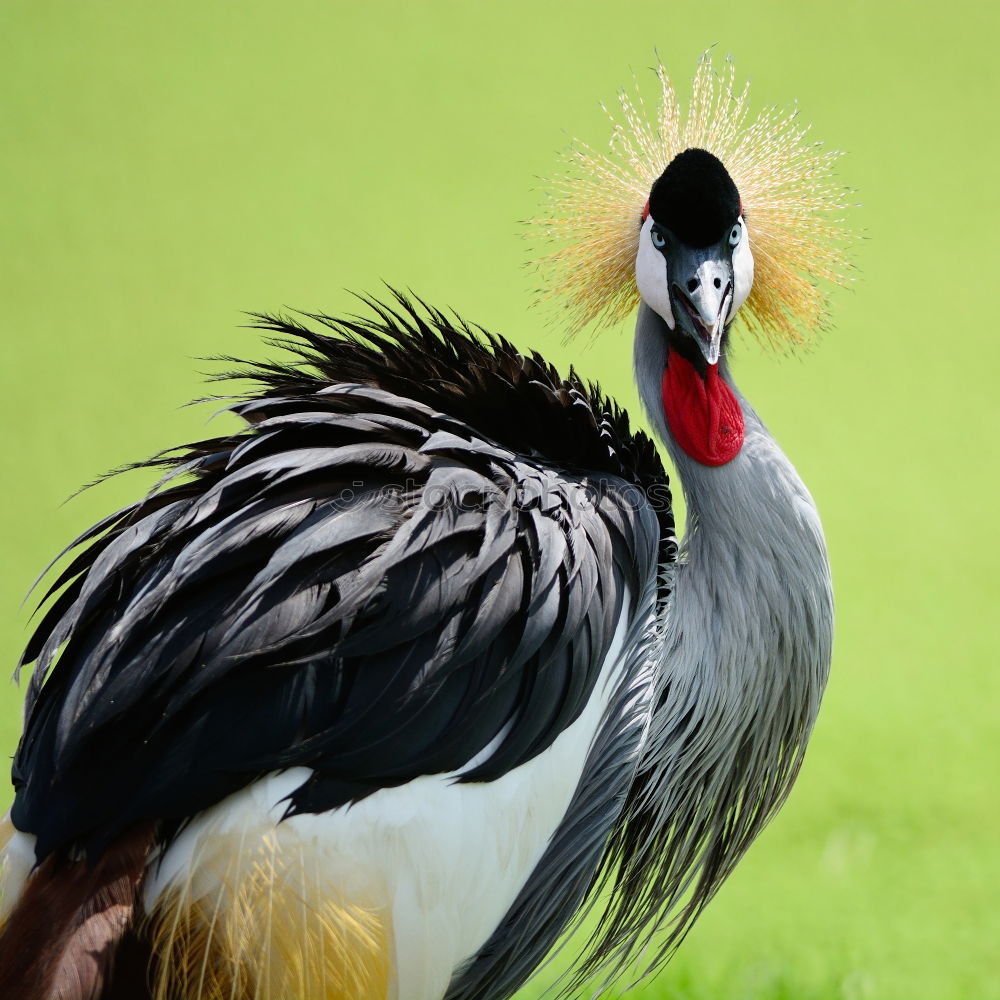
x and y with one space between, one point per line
746 649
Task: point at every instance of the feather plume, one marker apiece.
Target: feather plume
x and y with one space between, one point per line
791 204
261 922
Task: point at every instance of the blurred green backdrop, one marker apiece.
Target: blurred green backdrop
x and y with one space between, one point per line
165 166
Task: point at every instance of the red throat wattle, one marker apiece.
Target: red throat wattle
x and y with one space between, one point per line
703 414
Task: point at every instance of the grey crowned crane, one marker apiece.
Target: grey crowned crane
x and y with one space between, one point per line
368 699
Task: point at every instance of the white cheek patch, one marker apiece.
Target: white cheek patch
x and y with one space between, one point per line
742 271
651 275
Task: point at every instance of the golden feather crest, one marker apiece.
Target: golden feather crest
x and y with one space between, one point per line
785 180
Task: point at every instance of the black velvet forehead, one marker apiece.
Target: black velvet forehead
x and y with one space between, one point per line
695 198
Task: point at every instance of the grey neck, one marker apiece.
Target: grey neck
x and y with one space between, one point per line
745 652
752 590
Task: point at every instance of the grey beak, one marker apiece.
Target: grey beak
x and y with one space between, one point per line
701 295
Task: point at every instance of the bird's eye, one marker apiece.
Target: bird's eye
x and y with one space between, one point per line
659 241
734 234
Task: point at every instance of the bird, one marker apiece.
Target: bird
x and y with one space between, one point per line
383 694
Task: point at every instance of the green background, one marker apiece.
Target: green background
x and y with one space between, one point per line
165 166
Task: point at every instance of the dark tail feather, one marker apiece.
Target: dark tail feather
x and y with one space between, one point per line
62 938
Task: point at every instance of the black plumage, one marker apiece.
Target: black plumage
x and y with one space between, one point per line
695 198
420 537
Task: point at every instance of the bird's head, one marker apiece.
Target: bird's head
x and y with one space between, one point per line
742 216
694 267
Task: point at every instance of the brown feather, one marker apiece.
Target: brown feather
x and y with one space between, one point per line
61 938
